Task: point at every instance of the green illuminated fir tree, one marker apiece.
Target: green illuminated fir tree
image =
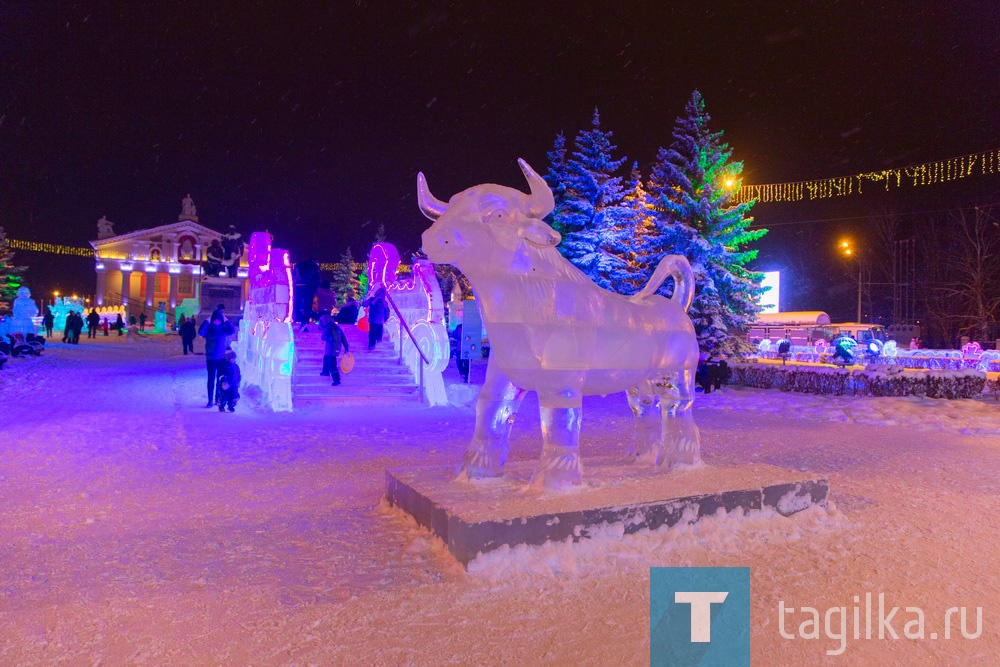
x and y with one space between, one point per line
10 274
344 277
691 187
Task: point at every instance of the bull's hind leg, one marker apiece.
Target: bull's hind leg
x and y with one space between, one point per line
495 411
645 448
681 441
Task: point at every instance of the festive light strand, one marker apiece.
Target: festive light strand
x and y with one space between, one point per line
77 251
55 249
931 173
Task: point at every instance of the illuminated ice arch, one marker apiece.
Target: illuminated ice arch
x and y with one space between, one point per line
419 300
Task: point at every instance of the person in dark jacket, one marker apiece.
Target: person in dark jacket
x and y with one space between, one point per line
93 320
49 320
188 333
216 333
120 325
76 328
334 341
142 321
348 313
378 313
227 389
717 372
307 278
461 364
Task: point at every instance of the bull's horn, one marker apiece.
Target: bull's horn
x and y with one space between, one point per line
430 205
541 202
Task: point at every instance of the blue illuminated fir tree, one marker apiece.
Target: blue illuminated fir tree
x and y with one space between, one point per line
558 178
588 214
691 187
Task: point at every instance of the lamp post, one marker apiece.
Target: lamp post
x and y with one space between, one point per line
845 246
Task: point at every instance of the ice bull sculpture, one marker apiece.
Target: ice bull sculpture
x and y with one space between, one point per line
555 332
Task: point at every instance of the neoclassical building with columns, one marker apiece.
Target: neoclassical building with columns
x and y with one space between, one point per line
143 268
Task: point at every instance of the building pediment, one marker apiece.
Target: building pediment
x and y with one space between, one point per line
159 234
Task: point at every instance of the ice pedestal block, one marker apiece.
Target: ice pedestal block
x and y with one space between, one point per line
479 517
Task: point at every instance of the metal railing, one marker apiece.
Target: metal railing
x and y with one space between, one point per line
405 327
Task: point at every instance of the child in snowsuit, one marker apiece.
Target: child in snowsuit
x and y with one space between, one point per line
227 386
334 340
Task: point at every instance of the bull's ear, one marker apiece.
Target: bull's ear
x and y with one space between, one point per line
540 235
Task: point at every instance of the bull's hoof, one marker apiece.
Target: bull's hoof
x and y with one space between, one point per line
558 472
644 453
478 465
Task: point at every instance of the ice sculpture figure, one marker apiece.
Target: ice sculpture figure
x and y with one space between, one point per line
420 302
160 318
555 332
24 310
265 347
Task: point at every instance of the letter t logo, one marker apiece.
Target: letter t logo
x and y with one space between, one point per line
701 611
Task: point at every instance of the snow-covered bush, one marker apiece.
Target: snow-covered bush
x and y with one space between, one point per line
874 380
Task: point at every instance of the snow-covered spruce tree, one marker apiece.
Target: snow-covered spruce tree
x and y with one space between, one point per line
344 276
632 240
588 217
691 186
10 274
558 179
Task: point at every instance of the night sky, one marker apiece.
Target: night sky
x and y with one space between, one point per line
313 121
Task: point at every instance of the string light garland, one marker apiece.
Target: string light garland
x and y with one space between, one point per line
77 251
55 249
931 173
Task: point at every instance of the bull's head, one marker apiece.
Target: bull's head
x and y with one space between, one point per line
486 220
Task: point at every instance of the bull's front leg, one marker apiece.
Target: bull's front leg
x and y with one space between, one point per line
496 408
561 415
681 440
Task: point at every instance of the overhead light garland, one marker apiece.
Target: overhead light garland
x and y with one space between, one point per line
55 249
930 173
77 251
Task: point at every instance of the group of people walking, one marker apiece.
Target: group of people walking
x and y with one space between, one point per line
73 327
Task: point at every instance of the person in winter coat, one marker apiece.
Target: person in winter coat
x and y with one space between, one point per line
188 333
717 371
49 320
378 313
93 320
334 341
348 313
227 388
307 278
216 333
142 321
120 325
326 299
74 322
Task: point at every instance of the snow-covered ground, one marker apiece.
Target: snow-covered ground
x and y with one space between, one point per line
137 527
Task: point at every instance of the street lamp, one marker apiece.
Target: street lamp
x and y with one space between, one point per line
845 247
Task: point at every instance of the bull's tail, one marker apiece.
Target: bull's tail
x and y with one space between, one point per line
679 269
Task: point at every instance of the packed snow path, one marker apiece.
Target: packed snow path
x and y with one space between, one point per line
138 527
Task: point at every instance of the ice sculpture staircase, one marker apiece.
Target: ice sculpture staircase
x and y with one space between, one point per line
377 375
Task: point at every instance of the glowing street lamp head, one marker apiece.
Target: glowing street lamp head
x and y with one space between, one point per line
729 182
